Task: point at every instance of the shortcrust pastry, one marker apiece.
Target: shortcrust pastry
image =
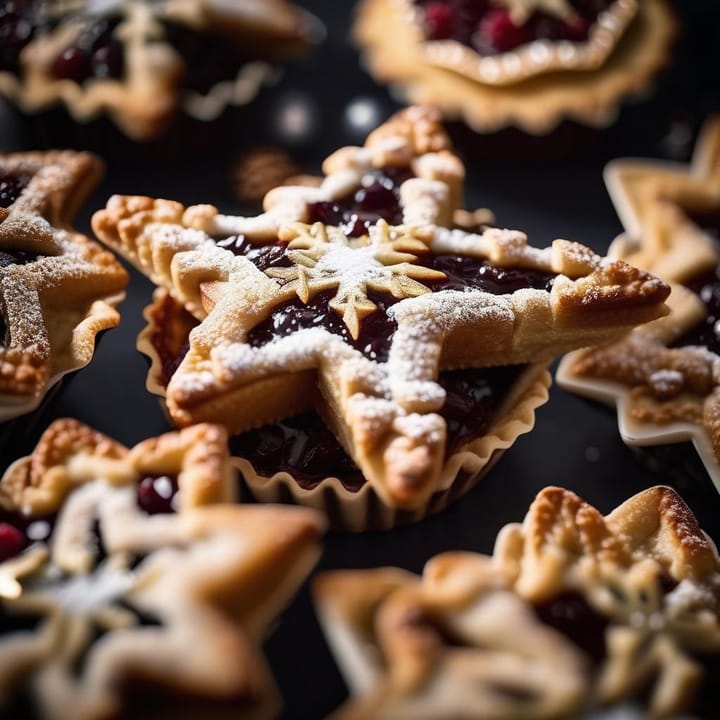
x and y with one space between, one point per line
139 61
358 300
529 63
574 611
665 377
58 289
124 576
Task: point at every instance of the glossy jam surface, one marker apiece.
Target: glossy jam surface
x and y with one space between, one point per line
10 188
157 494
378 197
304 447
707 286
488 28
570 614
95 53
262 256
376 330
19 21
17 531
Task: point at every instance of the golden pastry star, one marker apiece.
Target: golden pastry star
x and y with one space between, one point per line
179 601
382 404
57 288
663 393
477 637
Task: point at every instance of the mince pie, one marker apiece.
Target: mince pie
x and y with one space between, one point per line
573 612
138 61
358 300
665 377
58 289
130 587
529 63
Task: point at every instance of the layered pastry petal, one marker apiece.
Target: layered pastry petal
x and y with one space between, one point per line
575 611
529 63
58 289
127 572
140 61
663 377
352 297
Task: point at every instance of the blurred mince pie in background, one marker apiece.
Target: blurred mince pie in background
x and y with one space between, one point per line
140 62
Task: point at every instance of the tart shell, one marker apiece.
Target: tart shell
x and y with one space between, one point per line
363 509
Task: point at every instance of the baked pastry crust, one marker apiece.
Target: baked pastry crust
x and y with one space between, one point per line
181 600
384 413
663 393
58 289
144 98
470 636
533 89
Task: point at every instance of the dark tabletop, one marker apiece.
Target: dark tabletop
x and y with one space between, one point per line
549 187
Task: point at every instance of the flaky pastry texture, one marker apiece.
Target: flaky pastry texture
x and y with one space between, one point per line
574 611
143 97
384 410
58 289
124 602
666 387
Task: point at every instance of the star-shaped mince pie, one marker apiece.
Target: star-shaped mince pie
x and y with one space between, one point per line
58 289
573 612
525 63
366 310
665 377
140 60
127 587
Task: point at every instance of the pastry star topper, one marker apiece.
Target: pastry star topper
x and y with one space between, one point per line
258 355
512 635
671 216
116 596
57 288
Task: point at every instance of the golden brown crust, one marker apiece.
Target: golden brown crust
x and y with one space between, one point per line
386 414
182 599
143 100
396 54
434 647
664 392
62 291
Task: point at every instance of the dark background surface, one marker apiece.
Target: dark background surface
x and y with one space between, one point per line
549 187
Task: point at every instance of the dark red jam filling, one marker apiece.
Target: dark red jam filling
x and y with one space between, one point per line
707 287
377 329
378 197
10 188
305 448
19 22
262 256
486 26
17 531
156 494
574 617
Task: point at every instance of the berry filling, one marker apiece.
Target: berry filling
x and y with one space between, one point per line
10 188
18 531
707 287
158 494
262 256
574 617
378 197
488 28
377 329
20 20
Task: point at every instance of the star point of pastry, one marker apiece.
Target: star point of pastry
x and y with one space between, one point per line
573 612
355 310
143 577
58 289
664 376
